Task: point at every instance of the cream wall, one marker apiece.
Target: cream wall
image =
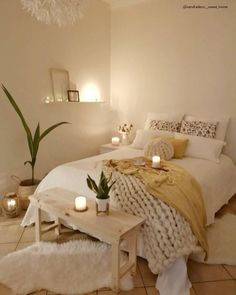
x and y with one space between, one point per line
27 50
166 58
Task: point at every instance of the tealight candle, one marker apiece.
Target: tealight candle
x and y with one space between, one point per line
80 203
11 204
156 162
115 140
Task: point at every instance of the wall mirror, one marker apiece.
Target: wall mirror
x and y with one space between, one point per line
60 82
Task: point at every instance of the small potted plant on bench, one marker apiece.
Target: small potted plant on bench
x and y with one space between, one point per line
102 191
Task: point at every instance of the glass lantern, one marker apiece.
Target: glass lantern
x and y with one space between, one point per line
11 205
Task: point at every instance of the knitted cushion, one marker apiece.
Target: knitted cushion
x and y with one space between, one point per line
161 147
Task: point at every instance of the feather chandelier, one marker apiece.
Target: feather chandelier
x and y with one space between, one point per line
59 12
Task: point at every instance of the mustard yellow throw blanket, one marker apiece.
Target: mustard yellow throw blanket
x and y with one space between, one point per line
173 185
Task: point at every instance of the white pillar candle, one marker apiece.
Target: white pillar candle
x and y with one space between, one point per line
115 140
156 162
80 203
11 204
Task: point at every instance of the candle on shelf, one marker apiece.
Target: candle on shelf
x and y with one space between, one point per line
115 140
156 162
80 203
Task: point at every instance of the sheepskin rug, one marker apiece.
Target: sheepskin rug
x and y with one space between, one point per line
80 266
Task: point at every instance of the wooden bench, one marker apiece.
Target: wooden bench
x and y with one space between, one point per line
110 229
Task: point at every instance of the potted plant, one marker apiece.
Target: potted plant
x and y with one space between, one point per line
102 191
28 186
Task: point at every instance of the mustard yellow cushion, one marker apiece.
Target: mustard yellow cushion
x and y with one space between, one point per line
180 146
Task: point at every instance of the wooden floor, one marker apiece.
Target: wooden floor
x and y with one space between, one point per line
206 279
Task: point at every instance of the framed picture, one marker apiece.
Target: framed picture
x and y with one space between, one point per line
73 95
60 84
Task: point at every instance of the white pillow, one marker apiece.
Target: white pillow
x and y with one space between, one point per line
162 116
221 127
202 147
143 136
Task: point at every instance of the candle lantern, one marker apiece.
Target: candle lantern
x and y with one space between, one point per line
11 205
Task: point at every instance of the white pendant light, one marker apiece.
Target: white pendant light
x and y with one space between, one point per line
59 12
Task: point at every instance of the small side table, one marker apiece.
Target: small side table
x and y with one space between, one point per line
109 147
111 229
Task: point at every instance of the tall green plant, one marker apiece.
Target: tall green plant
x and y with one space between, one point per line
33 140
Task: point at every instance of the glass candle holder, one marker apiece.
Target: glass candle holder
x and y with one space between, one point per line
11 205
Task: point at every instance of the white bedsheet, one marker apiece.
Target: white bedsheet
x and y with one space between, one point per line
217 180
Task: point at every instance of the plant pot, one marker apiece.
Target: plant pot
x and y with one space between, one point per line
102 205
25 190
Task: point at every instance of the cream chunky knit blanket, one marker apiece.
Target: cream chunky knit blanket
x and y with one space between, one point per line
166 233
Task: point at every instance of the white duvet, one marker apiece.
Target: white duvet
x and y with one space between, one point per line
217 180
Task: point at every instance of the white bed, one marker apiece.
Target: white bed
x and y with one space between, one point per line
217 180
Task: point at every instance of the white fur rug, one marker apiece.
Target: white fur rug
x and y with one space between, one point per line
222 242
80 266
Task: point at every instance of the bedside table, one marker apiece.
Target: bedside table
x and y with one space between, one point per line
105 148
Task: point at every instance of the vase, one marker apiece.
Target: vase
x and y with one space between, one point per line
125 139
102 206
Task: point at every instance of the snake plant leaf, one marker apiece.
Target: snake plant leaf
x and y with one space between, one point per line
51 128
101 192
18 111
111 186
89 184
93 185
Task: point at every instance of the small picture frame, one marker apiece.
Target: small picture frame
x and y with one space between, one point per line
73 95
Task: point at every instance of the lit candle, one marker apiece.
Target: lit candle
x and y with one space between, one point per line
115 140
11 204
80 203
156 162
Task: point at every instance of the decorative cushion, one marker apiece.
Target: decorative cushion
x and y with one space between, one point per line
144 136
199 128
161 147
179 146
172 126
202 148
170 117
221 127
